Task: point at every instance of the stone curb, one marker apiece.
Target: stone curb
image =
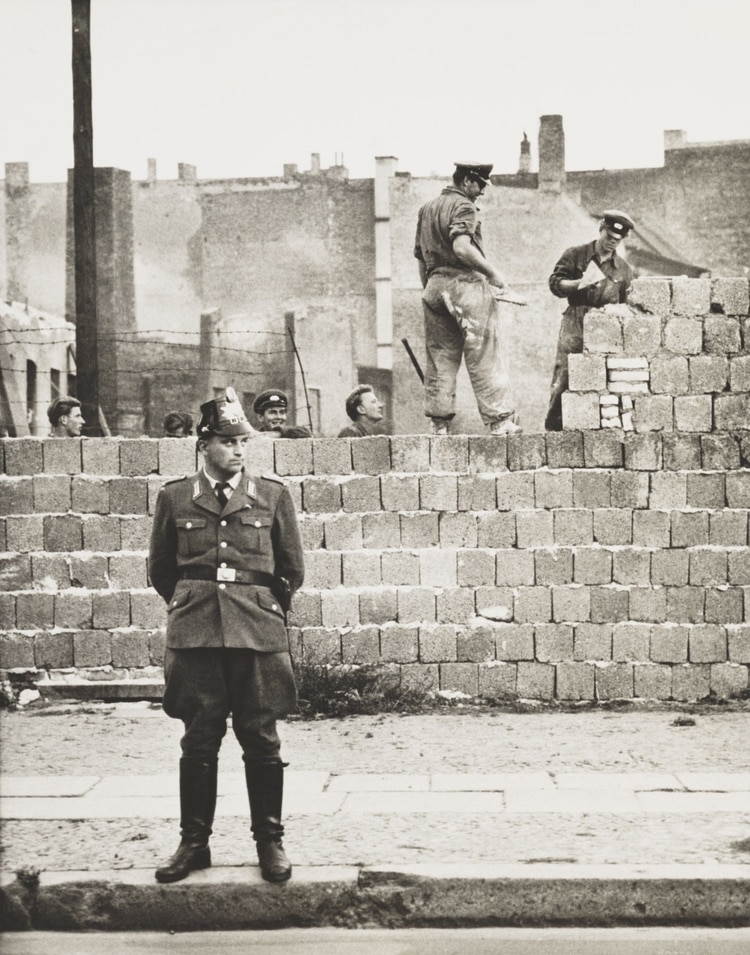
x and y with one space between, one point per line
388 897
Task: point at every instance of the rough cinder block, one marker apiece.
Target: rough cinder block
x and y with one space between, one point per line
358 493
571 604
488 453
449 453
592 565
738 489
92 648
305 611
370 455
643 452
536 681
16 651
651 295
49 572
724 605
708 373
128 495
653 413
399 644
641 334
580 412
320 647
514 641
651 528
592 489
708 567
127 571
534 528
399 568
343 532
614 681
377 606
602 332
730 296
25 533
410 452
339 608
416 604
689 528
573 526
631 642
722 335
53 650
458 529
73 610
728 680
417 530
669 376
652 681
690 683
360 647
648 604
738 572
454 605
400 492
693 413
669 643
321 495
34 611
89 571
89 495
629 488
739 373
295 457
532 605
61 456
496 529
8 612
587 372
475 645
139 456
101 456
515 490
135 532
669 567
683 336
101 533
526 452
682 452
553 489
613 525
463 677
686 604
131 649
322 570
476 568
177 456
668 489
514 568
728 528
603 449
706 490
707 644
420 677
63 533
551 567
690 296
331 456
148 610
738 638
564 449
731 412
476 492
437 568
575 681
383 530
23 456
438 492
16 495
498 681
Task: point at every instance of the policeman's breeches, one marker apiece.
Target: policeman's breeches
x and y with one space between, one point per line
472 333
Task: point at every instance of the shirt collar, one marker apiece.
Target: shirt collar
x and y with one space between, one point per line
233 483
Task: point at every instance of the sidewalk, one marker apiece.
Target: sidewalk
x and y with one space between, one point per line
589 818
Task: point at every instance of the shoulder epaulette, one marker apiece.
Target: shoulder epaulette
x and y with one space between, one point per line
175 480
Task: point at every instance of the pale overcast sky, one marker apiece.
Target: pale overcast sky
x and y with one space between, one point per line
240 87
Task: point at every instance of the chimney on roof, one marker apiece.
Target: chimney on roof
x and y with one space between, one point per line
524 162
17 230
315 164
186 172
551 154
674 139
151 167
290 170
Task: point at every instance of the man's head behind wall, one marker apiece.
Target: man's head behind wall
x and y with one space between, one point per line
363 403
65 416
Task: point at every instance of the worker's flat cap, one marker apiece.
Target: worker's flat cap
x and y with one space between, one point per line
617 222
480 170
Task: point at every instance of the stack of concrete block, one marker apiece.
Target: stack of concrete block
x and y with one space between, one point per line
680 353
578 565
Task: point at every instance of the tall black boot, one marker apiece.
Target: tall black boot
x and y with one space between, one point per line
197 806
265 789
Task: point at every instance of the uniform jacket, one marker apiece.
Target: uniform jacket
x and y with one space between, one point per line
256 531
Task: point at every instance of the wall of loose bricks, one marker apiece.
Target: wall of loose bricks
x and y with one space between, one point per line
596 563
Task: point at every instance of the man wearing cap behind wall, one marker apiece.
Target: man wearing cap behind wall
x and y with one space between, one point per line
459 300
271 408
226 556
589 276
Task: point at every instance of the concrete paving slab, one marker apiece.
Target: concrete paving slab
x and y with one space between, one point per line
377 783
633 782
19 786
716 782
422 802
489 782
694 802
571 801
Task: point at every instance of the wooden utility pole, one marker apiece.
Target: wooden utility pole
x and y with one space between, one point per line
84 220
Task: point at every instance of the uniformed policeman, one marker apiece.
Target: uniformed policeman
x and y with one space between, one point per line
271 408
226 556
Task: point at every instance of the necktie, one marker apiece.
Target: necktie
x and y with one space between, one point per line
222 498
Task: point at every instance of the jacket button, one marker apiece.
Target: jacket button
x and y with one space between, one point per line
189 524
223 523
223 564
222 586
223 544
274 607
257 523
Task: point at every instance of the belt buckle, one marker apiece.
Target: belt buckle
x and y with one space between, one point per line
226 573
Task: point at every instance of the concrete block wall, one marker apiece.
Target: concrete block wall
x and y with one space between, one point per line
577 565
677 358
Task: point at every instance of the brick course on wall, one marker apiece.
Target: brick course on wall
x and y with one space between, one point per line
596 563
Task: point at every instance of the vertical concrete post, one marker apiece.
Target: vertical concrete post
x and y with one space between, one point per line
385 168
524 161
551 154
17 230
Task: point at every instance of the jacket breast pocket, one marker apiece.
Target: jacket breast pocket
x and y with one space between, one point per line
192 536
256 529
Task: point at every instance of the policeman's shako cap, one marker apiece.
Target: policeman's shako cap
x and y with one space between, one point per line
224 416
480 170
619 223
270 399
